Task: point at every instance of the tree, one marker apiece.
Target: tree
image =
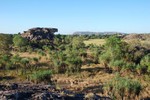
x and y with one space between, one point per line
5 42
114 47
113 50
77 43
19 41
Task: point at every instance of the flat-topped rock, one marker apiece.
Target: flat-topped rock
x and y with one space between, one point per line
38 33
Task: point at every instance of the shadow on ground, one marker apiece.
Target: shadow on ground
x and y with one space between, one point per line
97 69
6 78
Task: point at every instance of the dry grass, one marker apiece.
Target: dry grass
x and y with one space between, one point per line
32 55
95 41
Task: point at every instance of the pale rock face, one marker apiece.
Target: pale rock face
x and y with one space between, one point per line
38 33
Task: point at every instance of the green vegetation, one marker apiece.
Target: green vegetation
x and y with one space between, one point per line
41 76
123 88
19 41
5 43
67 54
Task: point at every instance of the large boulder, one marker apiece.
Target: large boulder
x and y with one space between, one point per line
35 34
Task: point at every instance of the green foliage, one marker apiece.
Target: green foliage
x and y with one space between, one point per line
145 62
114 47
4 60
41 76
117 64
77 43
35 59
129 66
19 41
74 64
105 59
25 64
121 87
42 53
16 59
66 61
113 50
24 61
5 42
58 59
96 51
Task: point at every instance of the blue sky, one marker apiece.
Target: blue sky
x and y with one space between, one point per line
75 15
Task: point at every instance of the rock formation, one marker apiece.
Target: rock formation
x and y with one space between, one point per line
35 34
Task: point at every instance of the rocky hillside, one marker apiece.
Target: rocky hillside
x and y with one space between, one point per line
137 36
38 33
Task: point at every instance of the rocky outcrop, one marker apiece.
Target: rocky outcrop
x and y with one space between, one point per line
35 34
29 91
137 36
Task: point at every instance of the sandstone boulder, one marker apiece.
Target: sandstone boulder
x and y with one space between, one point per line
35 34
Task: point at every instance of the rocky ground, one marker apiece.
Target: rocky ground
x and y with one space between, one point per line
29 91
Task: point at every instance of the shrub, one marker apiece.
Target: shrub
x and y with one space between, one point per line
117 64
121 87
19 41
140 69
59 66
23 49
129 66
74 64
41 53
145 62
41 76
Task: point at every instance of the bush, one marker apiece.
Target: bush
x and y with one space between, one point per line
117 64
145 62
23 49
19 41
41 53
129 66
41 76
121 87
74 64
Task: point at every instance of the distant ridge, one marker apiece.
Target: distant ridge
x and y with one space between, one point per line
96 33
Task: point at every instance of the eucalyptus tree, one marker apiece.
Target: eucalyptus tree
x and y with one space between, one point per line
113 50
